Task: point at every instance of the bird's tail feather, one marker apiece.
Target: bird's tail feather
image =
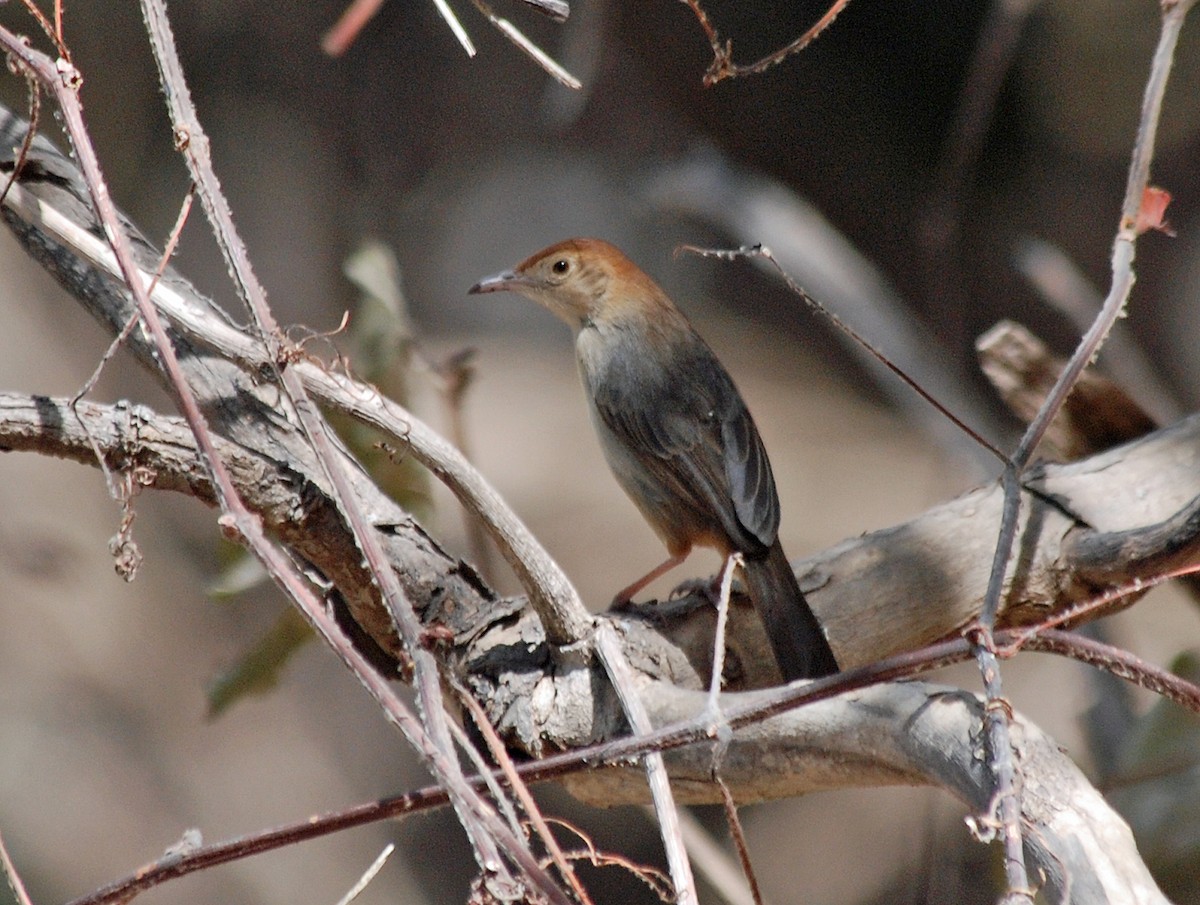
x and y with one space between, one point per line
795 634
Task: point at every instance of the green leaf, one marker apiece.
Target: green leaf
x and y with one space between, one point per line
258 669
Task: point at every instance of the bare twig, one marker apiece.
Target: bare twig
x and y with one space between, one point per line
743 710
1064 286
739 839
1121 663
456 27
713 864
531 50
621 675
761 251
1174 13
119 340
368 875
747 205
52 30
454 374
1098 414
354 17
508 770
15 883
725 584
35 108
723 67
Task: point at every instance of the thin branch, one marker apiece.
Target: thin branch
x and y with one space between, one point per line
456 27
368 875
531 50
353 19
118 341
454 375
1174 13
52 30
15 884
22 153
723 67
508 770
738 834
1069 292
621 675
761 251
1114 660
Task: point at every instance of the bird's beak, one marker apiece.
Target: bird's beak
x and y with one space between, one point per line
506 280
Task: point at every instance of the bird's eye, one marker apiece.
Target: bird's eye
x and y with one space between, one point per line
561 266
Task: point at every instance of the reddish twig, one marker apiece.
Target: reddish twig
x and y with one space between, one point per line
1121 663
353 19
508 770
35 110
738 835
723 67
53 31
761 251
90 384
655 880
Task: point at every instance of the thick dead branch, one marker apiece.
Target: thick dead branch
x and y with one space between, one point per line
906 733
1098 413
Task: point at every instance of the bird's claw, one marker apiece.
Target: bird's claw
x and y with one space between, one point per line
706 586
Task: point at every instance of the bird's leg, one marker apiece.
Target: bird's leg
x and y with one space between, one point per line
625 595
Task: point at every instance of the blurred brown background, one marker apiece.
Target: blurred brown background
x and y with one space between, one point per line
465 166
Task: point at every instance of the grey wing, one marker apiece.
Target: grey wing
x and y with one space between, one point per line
703 448
751 484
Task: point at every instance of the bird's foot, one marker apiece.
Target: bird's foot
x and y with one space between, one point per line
709 587
620 604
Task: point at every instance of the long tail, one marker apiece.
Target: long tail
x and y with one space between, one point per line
800 646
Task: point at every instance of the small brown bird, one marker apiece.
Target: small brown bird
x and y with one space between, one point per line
675 431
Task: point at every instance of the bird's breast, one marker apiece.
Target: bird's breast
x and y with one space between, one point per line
615 369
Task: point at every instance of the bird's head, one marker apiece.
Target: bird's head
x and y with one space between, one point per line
580 280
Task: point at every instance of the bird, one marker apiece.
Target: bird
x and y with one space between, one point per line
674 430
